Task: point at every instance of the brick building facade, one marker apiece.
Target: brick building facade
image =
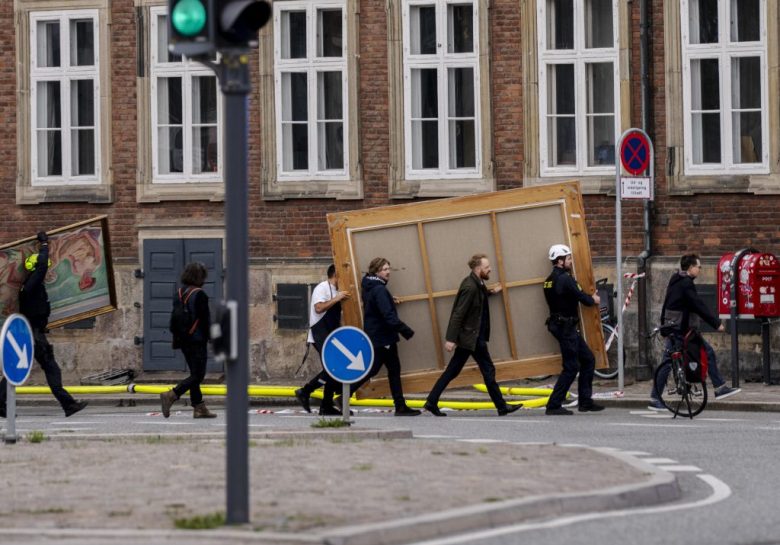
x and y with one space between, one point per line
357 104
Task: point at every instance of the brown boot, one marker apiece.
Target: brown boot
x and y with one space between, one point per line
167 399
201 411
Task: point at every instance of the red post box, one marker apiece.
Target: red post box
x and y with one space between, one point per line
758 286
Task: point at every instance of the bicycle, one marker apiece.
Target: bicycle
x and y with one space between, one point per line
610 329
673 386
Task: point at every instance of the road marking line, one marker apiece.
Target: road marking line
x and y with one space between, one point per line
720 491
146 422
708 419
680 468
645 424
658 461
634 452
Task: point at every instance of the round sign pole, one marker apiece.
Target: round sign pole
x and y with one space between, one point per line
17 350
636 157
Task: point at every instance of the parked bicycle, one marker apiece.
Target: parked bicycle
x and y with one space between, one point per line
680 382
609 327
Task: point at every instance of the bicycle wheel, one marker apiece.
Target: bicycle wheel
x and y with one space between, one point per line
677 394
611 370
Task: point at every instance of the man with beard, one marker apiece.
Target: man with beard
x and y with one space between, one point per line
468 333
564 295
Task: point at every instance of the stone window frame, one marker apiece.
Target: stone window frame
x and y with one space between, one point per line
532 172
147 188
401 185
678 181
276 186
100 191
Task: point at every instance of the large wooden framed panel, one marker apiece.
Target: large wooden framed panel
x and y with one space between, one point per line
429 244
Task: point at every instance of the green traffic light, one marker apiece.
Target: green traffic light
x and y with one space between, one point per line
189 17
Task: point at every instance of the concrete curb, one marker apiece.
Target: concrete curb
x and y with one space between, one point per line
660 487
272 435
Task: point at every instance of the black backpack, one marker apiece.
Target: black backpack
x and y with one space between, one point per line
183 323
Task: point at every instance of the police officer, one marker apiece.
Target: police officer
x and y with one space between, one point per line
34 305
563 294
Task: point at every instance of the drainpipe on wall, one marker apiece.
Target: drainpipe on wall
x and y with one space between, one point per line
644 369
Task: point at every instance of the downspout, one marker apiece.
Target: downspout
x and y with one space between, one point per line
644 369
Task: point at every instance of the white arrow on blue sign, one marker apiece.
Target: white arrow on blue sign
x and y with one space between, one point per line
347 354
17 350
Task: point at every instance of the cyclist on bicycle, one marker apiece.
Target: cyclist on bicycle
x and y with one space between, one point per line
683 309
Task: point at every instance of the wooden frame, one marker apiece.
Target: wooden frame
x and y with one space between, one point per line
428 245
80 281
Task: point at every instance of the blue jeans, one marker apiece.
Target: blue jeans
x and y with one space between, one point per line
712 367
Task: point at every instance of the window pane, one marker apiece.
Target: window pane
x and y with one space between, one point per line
329 99
82 98
83 152
329 41
295 142
294 35
82 43
425 123
703 21
560 24
331 145
598 27
204 99
601 138
561 124
49 153
163 55
745 21
423 30
705 84
204 149
463 144
462 141
48 109
461 92
294 97
706 138
746 118
601 107
48 44
460 28
601 87
170 150
169 101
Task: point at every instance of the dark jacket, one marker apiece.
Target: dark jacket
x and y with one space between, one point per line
681 301
33 299
563 294
466 316
199 303
380 319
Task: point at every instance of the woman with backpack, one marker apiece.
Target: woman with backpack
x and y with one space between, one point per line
190 325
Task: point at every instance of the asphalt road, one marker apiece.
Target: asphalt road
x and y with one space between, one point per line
727 463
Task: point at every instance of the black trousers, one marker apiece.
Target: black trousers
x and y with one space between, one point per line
196 355
44 355
455 366
577 358
387 356
323 379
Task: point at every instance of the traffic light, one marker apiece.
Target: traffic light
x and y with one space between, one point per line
191 26
239 21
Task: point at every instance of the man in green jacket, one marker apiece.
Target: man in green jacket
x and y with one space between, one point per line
468 333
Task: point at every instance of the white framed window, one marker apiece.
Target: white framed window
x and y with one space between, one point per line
311 90
725 75
441 90
186 109
579 86
64 98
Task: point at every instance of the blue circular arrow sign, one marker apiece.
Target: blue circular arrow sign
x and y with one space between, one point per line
347 354
17 351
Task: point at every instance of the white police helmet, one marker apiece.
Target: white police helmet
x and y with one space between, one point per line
559 250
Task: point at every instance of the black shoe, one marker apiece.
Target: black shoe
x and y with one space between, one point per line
590 408
509 409
558 411
303 399
76 407
433 409
329 410
407 411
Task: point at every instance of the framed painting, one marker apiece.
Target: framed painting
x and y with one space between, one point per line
80 280
429 244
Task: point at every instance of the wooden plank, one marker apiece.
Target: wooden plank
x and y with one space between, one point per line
429 288
502 280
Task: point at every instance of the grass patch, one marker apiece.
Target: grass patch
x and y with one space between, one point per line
200 522
363 467
36 436
491 500
403 498
329 423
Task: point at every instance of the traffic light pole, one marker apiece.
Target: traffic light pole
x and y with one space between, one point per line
233 72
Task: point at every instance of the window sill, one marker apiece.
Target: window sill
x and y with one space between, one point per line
758 184
589 185
440 187
94 194
279 190
201 191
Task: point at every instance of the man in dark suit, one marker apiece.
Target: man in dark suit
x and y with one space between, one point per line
468 333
